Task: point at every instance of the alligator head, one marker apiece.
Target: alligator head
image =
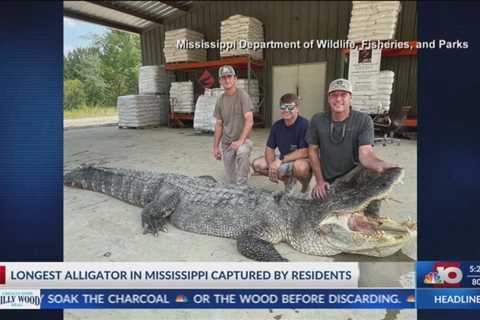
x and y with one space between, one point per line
367 235
347 228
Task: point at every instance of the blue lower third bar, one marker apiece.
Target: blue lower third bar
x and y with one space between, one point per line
438 298
228 298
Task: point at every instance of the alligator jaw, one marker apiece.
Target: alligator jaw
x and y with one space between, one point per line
367 235
358 222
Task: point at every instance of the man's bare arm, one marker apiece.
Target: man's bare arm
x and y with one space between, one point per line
321 186
247 127
216 141
218 133
296 155
315 162
269 156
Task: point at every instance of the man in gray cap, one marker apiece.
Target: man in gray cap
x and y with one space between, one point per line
234 114
341 139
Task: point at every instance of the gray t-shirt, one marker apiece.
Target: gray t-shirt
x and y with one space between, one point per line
231 110
339 141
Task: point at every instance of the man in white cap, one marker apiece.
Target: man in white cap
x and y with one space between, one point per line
234 114
341 139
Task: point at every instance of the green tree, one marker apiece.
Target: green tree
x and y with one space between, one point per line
120 57
84 64
107 69
73 94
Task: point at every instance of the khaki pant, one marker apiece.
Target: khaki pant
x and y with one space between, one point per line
237 163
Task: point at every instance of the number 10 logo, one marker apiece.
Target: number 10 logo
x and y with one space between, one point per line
445 275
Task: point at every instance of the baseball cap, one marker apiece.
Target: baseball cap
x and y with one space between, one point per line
341 85
226 70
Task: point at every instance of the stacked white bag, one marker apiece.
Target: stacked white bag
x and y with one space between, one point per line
181 93
172 54
215 92
154 79
237 28
204 109
142 110
253 91
385 88
375 102
373 20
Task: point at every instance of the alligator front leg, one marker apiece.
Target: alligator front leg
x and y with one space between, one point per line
257 243
155 213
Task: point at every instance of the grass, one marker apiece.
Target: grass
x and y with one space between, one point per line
90 112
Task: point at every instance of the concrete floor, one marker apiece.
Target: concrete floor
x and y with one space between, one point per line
100 228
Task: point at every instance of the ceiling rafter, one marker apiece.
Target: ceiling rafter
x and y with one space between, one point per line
176 5
110 5
108 23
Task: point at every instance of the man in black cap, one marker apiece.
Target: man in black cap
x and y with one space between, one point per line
234 122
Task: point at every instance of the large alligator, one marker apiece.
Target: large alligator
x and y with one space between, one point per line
257 218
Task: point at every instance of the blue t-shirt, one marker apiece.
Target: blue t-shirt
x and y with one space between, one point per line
288 139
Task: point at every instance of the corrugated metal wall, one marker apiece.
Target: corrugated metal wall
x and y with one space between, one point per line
405 67
291 21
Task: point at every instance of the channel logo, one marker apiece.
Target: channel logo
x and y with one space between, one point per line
2 274
444 275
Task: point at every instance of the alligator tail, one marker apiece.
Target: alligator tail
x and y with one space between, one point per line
126 185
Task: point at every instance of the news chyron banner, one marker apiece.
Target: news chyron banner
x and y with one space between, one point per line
189 285
448 285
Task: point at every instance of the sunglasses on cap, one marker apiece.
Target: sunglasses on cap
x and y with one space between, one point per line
288 106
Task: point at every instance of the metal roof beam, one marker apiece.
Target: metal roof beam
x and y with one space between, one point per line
110 5
104 22
175 5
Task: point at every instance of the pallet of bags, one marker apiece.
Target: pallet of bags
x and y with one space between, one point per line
238 27
253 91
365 103
373 20
174 54
181 93
154 80
204 110
375 102
213 92
385 89
138 111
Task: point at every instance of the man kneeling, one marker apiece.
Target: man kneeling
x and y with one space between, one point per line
288 135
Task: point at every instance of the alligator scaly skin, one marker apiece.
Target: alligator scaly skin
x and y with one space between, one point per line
256 218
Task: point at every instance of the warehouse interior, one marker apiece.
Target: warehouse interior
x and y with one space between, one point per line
283 21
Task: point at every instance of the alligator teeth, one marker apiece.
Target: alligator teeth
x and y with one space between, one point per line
393 228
